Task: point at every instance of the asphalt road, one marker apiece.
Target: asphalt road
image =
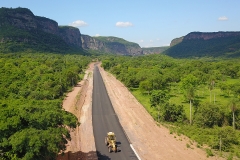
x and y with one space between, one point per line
105 120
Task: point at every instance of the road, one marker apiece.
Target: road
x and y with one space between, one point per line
105 120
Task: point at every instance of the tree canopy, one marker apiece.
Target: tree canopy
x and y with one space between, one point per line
33 124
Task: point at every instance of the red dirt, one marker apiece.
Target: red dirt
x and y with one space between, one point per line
150 141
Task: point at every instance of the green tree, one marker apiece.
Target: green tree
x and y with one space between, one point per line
209 115
158 99
227 137
173 113
145 86
188 84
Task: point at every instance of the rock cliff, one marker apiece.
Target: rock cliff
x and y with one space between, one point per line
210 35
89 42
111 45
70 35
23 18
206 44
22 28
176 41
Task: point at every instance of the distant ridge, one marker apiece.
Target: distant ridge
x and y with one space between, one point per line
206 44
22 31
154 50
111 44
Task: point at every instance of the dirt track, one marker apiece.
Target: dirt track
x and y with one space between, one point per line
149 140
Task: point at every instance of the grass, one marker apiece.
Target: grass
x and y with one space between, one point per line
209 152
202 136
202 94
188 145
145 101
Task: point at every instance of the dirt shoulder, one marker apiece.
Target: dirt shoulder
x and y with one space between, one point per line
149 140
79 102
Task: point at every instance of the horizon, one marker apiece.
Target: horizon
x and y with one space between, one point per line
148 23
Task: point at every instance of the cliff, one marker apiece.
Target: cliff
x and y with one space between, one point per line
176 41
21 30
110 45
210 35
210 44
89 42
25 30
70 35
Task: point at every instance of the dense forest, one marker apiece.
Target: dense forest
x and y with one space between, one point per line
195 97
32 87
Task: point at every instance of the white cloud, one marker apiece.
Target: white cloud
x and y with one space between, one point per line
223 18
124 24
158 39
151 40
141 41
97 35
78 23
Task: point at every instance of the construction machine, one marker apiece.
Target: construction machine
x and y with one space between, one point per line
110 142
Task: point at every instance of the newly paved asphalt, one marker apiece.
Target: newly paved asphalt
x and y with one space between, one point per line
106 120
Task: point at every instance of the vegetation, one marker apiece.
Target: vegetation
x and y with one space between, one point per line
217 47
198 98
28 38
152 50
32 86
110 40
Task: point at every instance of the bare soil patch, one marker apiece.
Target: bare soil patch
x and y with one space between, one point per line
79 102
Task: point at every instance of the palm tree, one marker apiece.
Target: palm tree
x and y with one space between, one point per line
190 97
234 104
211 87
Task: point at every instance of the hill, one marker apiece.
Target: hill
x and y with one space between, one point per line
206 44
21 30
152 50
110 44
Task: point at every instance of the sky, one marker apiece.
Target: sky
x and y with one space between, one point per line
150 23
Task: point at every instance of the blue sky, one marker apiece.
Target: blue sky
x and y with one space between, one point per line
150 23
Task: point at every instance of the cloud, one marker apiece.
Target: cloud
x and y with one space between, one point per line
223 18
158 39
97 35
141 41
78 23
151 40
124 24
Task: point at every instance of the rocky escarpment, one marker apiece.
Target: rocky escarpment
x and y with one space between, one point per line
176 41
70 35
47 25
92 43
25 31
210 35
23 18
111 45
203 36
207 44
